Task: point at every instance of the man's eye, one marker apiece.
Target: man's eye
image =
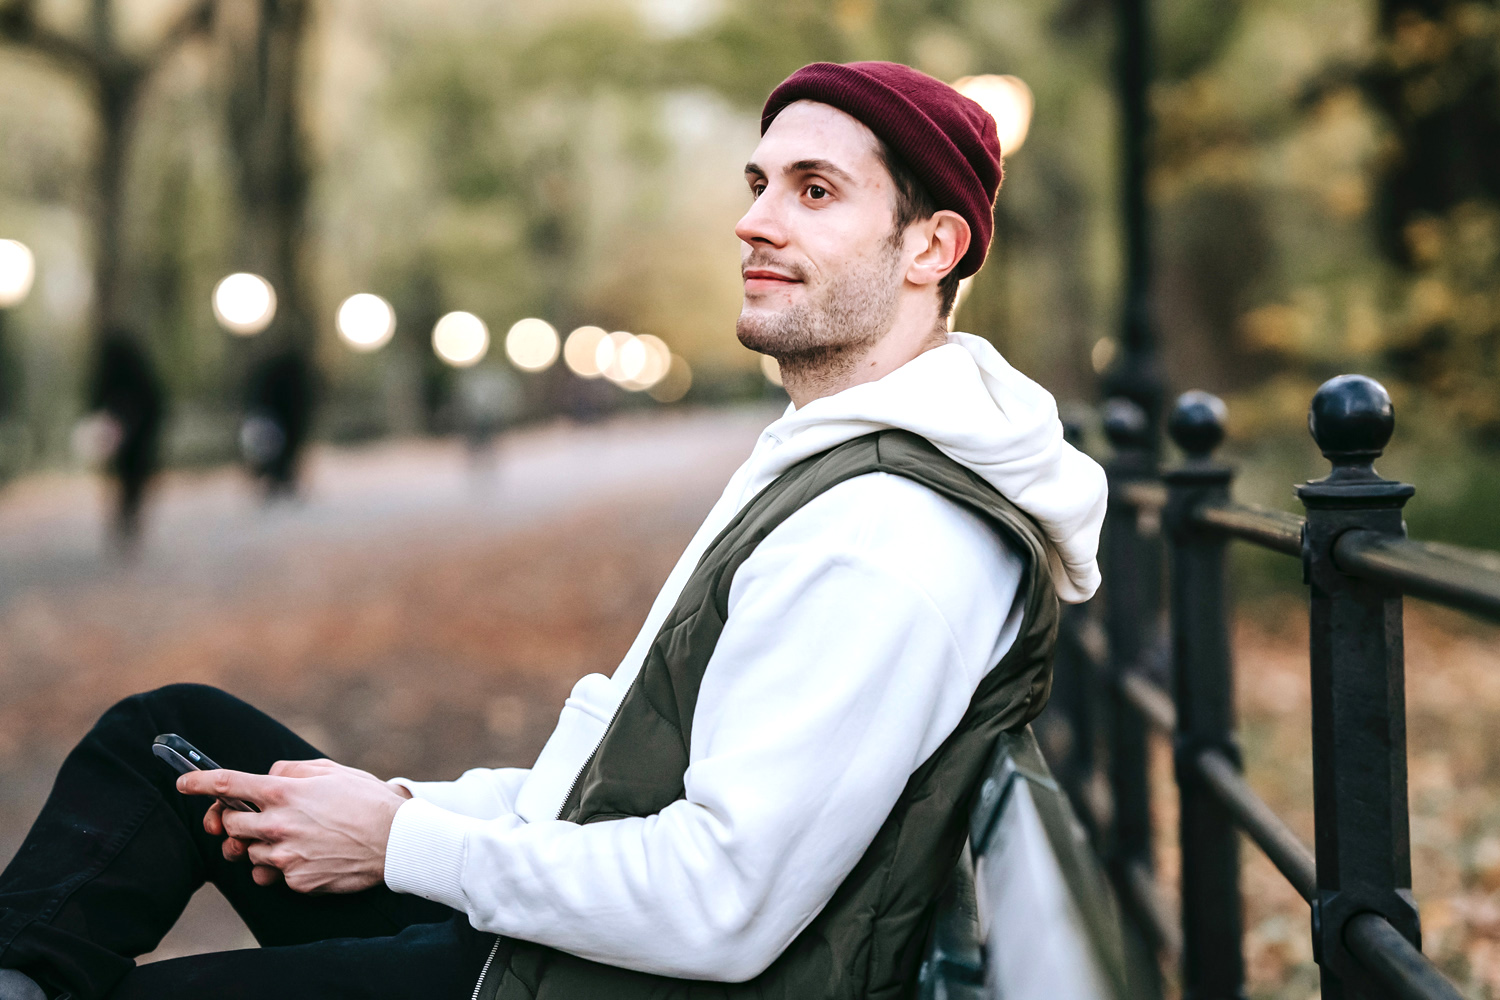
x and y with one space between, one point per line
756 190
817 193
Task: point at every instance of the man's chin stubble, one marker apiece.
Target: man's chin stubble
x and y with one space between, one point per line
801 354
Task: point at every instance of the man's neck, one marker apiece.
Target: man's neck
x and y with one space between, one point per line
807 377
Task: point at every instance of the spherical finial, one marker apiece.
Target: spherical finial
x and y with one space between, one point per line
1125 423
1197 423
1351 419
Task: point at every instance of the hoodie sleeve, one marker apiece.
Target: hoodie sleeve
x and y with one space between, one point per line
482 792
855 639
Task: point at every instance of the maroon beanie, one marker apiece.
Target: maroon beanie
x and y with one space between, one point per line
947 140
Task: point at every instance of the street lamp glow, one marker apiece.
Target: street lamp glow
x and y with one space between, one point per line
658 362
17 270
1008 100
581 351
244 303
461 339
621 356
366 322
532 345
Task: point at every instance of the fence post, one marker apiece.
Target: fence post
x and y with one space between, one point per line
1358 688
1131 598
1068 729
1203 687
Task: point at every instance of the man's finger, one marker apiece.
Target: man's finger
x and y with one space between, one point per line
223 783
213 820
250 826
265 875
234 849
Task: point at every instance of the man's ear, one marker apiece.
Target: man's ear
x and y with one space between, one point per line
947 236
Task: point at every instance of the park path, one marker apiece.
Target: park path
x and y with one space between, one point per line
416 612
209 528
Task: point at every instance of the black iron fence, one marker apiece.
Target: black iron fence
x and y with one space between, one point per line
1155 654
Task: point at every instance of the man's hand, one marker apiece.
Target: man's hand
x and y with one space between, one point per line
321 826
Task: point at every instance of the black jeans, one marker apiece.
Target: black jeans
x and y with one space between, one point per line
117 852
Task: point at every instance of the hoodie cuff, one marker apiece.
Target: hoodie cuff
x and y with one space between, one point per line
414 787
425 853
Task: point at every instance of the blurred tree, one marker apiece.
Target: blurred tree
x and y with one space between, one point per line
263 46
116 79
1436 78
263 60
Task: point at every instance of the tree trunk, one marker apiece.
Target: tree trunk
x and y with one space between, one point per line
264 42
118 90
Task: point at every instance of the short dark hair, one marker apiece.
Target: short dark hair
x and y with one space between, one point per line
914 202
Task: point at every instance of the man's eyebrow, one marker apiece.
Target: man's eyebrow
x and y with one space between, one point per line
825 167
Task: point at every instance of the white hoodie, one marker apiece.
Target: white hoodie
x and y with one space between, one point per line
857 633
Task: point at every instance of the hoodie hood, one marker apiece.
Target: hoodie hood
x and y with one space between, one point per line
982 413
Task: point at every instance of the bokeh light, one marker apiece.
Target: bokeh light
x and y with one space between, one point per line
244 303
770 369
460 339
1103 354
366 321
620 356
675 384
1008 100
17 270
581 351
658 361
532 345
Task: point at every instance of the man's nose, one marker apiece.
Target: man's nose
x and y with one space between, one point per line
762 225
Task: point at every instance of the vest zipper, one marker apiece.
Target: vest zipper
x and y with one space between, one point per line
571 788
486 970
592 754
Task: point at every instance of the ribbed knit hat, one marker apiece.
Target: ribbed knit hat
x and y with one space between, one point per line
947 140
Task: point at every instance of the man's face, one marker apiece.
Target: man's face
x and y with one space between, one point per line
820 265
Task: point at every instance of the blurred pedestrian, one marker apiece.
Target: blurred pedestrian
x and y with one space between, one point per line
278 416
489 399
129 403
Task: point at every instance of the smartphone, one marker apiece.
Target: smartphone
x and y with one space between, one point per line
183 757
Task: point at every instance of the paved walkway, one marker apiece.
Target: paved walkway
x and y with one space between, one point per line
208 528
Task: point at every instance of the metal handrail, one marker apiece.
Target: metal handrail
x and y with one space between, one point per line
1357 565
1164 924
1395 961
1461 578
1150 699
1446 574
1273 529
1285 849
1383 950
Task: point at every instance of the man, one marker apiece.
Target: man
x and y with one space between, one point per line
767 796
126 386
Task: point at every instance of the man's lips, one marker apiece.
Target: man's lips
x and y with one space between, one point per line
761 278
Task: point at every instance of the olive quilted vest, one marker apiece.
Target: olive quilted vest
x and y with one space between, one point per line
868 941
